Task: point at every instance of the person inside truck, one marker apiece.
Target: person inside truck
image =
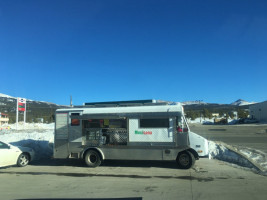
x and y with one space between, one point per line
179 130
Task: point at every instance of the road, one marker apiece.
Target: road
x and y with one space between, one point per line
253 135
208 180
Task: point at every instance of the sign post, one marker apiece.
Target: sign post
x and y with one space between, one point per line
17 114
21 106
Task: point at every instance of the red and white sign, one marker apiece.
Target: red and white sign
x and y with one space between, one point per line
21 104
21 100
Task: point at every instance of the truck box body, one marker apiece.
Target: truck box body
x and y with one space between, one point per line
154 132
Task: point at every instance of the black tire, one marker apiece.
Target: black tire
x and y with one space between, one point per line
23 160
92 158
185 160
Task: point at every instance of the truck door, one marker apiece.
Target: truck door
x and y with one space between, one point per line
182 131
61 135
75 133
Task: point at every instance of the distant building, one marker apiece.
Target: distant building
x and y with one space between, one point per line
40 120
3 119
215 115
259 111
235 113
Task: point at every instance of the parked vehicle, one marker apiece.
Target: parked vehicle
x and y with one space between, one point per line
125 131
15 155
247 121
220 121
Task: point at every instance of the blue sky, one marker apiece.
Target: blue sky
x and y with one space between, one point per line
97 50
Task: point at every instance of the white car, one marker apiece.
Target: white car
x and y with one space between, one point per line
15 155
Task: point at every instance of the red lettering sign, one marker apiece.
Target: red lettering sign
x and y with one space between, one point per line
21 106
147 132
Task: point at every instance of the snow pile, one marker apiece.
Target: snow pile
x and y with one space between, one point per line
220 152
245 157
201 121
257 156
39 137
208 121
33 126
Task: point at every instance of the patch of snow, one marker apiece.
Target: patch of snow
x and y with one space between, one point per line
193 102
241 102
256 155
49 103
11 100
201 120
39 137
220 152
6 96
32 126
208 121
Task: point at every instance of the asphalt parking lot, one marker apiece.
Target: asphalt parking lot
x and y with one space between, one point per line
209 179
245 135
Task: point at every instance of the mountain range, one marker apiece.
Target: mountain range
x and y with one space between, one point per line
35 109
46 110
239 102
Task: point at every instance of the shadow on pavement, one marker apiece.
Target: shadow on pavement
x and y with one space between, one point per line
129 198
106 163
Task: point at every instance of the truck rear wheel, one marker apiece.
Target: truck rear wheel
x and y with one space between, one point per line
185 160
92 158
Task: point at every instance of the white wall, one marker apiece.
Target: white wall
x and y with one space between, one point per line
259 111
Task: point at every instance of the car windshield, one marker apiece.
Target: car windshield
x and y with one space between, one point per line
3 145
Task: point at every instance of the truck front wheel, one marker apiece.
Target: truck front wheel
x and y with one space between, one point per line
92 158
185 160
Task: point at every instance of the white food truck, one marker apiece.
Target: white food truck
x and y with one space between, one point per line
127 130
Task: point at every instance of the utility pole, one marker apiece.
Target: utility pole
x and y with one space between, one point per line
17 114
24 115
70 100
199 102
